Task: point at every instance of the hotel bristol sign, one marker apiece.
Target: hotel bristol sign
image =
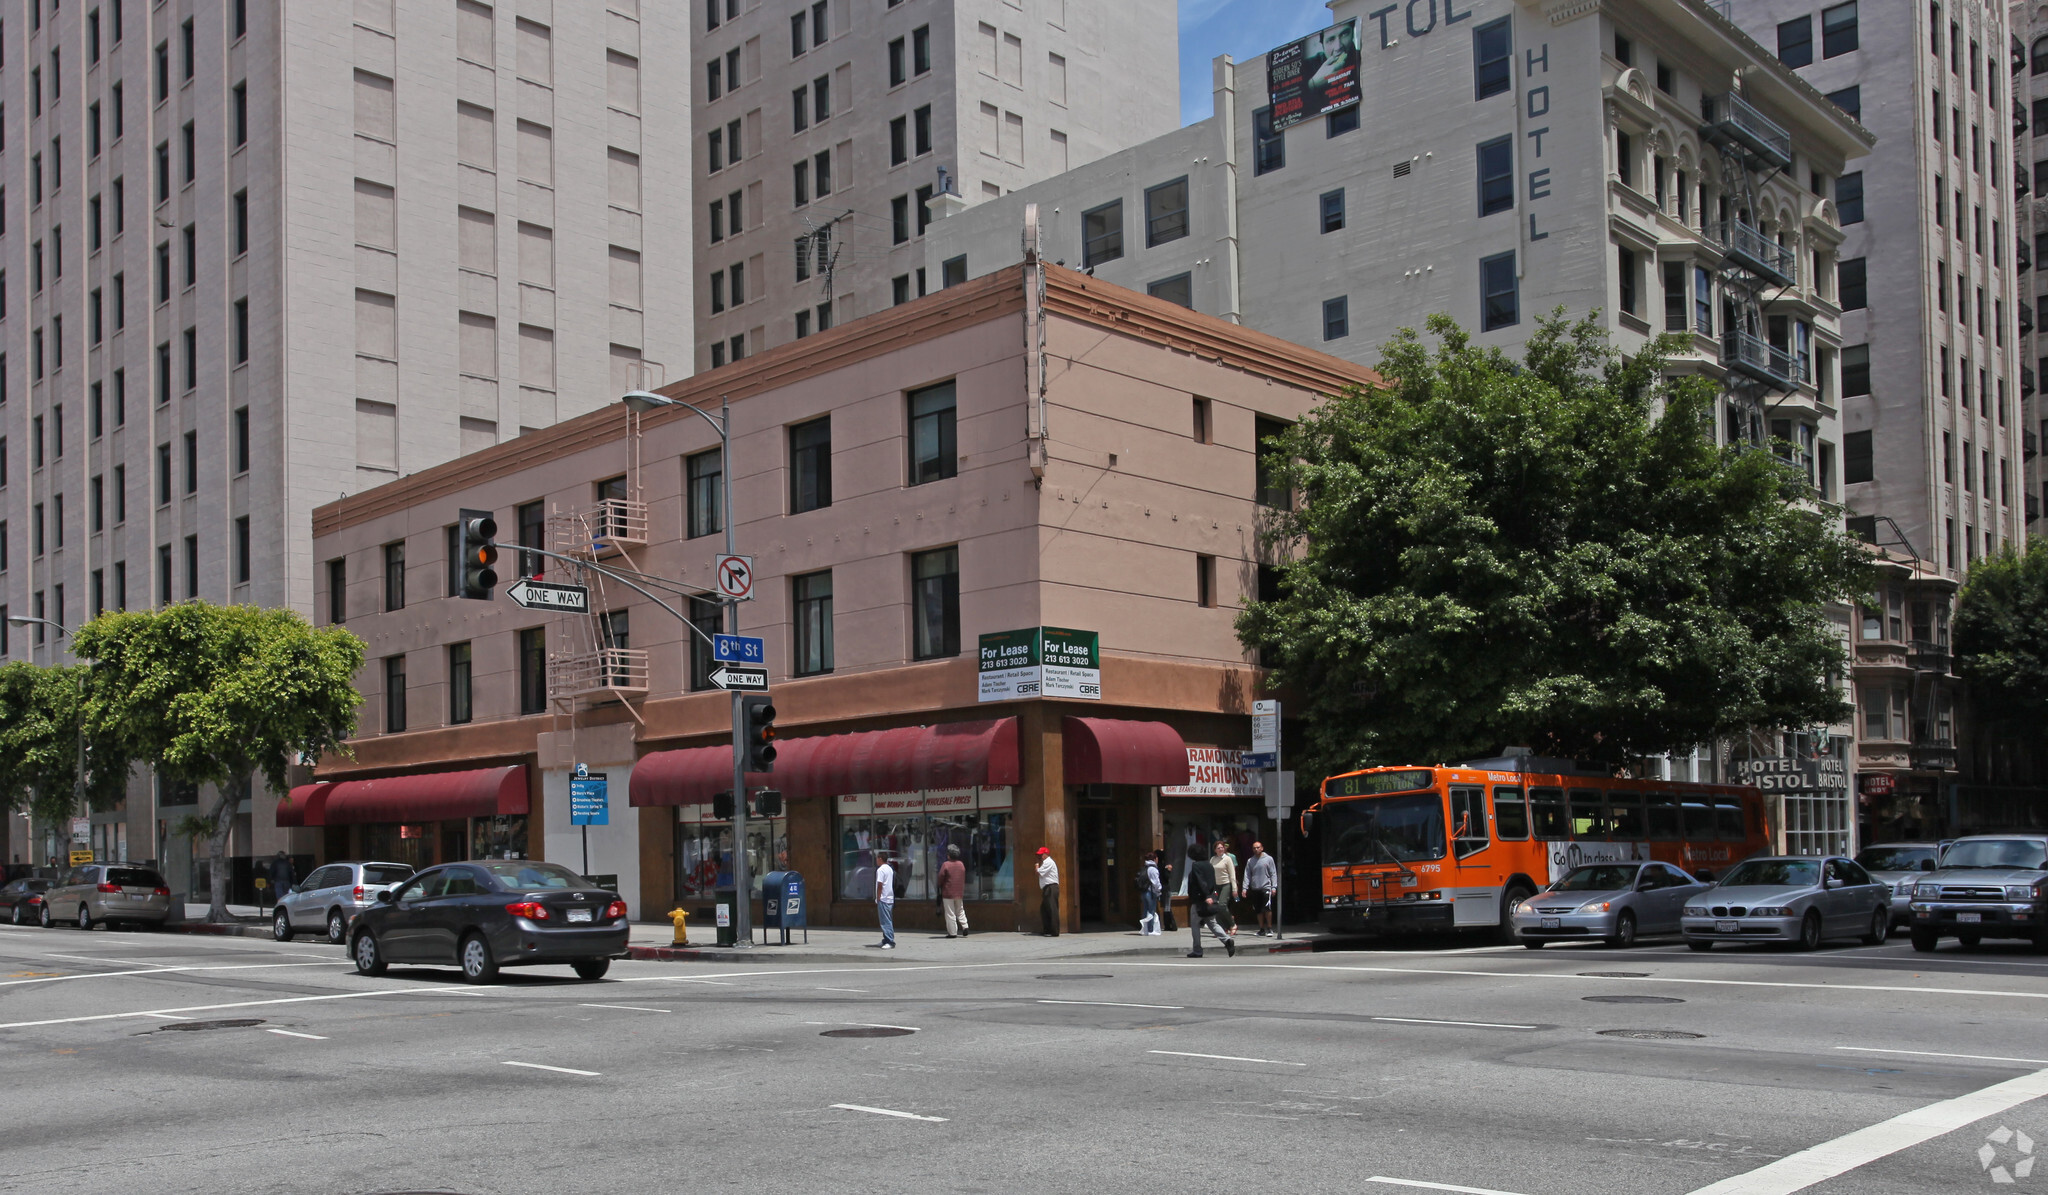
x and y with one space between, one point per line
1784 774
1040 662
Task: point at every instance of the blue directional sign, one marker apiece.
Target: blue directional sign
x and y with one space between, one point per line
589 802
1258 759
737 649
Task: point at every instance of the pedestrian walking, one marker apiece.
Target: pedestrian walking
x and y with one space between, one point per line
1202 902
1048 894
281 876
1261 882
1228 886
1149 890
953 893
885 902
1166 891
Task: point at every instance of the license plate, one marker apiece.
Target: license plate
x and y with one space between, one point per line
576 915
1969 917
1727 927
1551 923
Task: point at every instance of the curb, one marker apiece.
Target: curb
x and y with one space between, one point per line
770 954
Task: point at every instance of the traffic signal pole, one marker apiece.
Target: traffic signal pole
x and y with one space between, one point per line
742 924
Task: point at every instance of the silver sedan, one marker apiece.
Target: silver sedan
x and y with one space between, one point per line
1611 901
1799 899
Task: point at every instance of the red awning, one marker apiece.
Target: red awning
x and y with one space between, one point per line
430 796
949 755
302 803
1112 751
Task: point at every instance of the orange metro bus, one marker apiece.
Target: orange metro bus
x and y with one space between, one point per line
1409 849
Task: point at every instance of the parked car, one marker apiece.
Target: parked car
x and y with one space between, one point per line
492 913
332 897
1614 901
23 899
108 893
1988 886
1900 864
1805 899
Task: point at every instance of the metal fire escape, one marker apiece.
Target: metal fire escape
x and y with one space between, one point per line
1753 148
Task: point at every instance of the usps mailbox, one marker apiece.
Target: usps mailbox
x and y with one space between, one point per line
782 905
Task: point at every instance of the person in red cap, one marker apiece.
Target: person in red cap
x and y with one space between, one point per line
1048 893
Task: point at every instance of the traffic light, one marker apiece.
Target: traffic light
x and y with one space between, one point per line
721 806
768 802
757 731
477 533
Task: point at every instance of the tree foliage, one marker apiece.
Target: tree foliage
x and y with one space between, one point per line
39 747
216 694
1551 554
2001 639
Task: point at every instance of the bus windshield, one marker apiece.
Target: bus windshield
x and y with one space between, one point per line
1383 829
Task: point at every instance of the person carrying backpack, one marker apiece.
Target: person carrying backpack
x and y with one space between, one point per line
1148 894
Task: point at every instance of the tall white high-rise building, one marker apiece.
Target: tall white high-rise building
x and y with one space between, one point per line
257 255
823 129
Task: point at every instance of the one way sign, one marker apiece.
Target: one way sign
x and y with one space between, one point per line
541 595
752 680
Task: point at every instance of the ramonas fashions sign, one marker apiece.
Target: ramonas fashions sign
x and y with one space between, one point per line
1216 772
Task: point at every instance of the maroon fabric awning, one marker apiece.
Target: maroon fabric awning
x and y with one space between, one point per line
949 755
1112 751
303 802
430 796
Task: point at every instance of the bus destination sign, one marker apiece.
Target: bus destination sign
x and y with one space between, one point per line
1373 784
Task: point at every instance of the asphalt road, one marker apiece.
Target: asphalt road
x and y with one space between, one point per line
1852 1070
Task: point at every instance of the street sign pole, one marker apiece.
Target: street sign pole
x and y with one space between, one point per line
742 931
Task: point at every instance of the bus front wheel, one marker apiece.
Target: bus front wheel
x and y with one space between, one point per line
1514 896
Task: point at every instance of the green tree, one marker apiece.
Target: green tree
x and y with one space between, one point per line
2001 639
1550 554
218 694
39 745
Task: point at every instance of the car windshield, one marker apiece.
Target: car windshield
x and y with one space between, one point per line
1896 858
1996 852
132 877
386 874
1384 829
1773 873
531 873
1608 878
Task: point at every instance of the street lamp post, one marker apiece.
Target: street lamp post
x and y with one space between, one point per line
642 402
78 779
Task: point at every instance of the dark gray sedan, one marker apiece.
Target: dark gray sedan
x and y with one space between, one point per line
492 913
1614 902
1804 899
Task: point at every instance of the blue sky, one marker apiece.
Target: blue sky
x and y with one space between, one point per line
1243 29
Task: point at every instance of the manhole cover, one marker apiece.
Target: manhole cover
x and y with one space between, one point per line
1651 1034
1633 999
868 1031
194 1026
1076 977
1614 974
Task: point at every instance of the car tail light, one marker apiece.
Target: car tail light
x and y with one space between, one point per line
110 887
615 910
359 894
35 900
162 891
532 910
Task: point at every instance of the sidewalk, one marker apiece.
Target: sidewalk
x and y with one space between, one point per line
928 946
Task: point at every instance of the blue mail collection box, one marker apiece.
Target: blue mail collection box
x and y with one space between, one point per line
782 901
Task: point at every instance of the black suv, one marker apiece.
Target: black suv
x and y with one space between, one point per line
1989 886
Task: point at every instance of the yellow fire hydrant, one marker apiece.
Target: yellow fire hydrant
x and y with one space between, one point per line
682 935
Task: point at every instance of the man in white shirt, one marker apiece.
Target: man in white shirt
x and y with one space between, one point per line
885 902
1048 893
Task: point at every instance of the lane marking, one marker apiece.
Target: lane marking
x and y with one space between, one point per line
165 971
857 991
867 1025
1731 983
1225 1058
1113 1004
1418 1183
1851 1150
560 1070
289 1033
1937 1054
165 1013
1466 1024
889 1112
626 1007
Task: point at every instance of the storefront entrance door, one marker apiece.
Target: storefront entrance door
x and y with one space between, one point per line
1101 899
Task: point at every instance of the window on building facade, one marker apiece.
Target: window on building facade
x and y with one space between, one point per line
1102 234
1492 58
1337 317
459 704
394 576
1849 198
1855 370
1331 207
337 592
1269 145
1178 289
1268 491
1166 212
1795 41
533 670
394 694
1858 461
934 449
1340 122
935 603
1848 99
1838 32
811 600
1627 270
1496 176
810 465
705 475
1499 292
1851 284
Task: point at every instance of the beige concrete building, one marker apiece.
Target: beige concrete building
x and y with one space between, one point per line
257 256
906 484
823 128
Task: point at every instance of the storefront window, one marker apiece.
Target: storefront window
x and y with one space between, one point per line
704 851
498 837
1184 830
914 829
